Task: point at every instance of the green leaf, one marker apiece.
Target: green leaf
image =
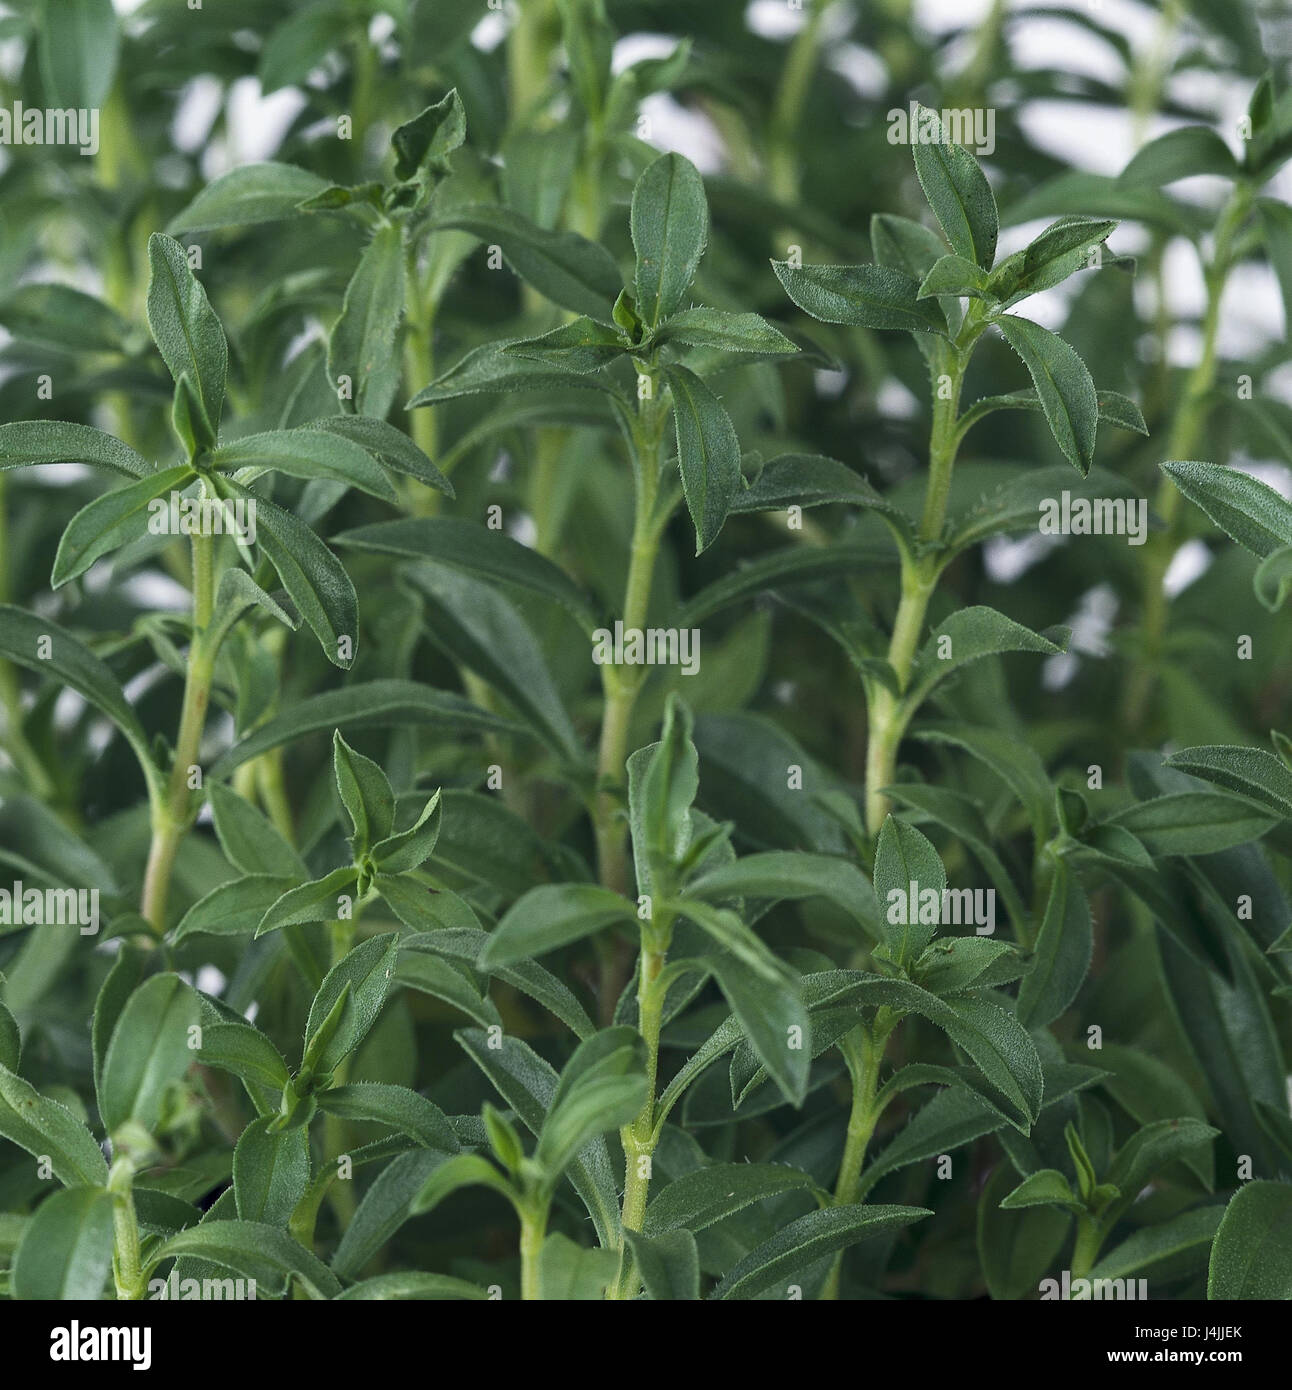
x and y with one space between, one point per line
186 330
793 1248
774 1019
366 973
1249 511
1045 1187
571 1273
409 849
806 480
254 1251
462 1170
250 841
312 575
550 916
27 442
670 227
78 45
669 1265
397 1106
316 901
701 1198
862 296
300 43
410 1284
953 1117
43 646
957 190
1063 384
490 368
902 244
66 1248
271 1170
955 276
1179 154
568 269
745 336
781 874
969 635
391 447
467 546
1251 1257
1276 226
966 962
904 856
1062 953
581 346
1150 1149
236 908
244 1051
249 194
304 453
1272 581
1194 822
366 704
1060 250
730 934
110 521
366 793
364 346
1252 772
65 319
425 142
1189 1233
150 1051
47 1129
708 453
1016 1248
482 629
10 1040
663 780
528 1084
602 1087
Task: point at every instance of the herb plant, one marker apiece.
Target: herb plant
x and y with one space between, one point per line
525 768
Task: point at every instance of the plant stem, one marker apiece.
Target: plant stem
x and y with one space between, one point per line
170 812
863 1050
791 96
1186 432
620 686
889 714
419 368
1086 1250
533 1231
127 1263
639 1137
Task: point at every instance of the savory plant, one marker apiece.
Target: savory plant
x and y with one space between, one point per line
495 842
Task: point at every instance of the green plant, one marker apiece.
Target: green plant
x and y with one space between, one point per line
518 738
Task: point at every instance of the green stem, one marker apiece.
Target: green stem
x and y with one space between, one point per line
639 1138
1186 432
889 713
1085 1252
863 1050
419 369
787 111
170 811
533 1231
127 1263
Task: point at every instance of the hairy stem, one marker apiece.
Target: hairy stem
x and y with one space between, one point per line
533 1230
889 714
863 1050
170 810
127 1262
639 1137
